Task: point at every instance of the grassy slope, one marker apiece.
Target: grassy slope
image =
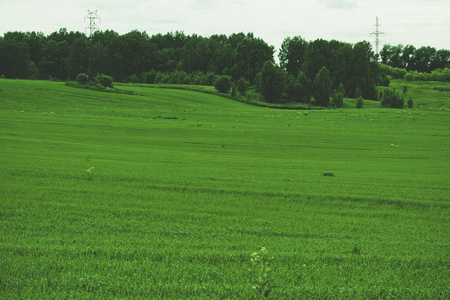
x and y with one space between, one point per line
425 94
175 207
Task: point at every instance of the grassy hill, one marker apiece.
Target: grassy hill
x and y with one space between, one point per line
167 193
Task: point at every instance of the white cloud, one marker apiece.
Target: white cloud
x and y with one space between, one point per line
340 4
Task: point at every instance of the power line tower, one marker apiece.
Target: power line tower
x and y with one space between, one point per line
377 34
92 16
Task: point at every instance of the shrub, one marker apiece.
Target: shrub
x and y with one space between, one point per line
149 77
178 77
242 86
396 73
132 79
159 77
223 84
391 99
104 80
338 99
410 103
359 102
294 91
383 79
233 91
210 78
82 78
409 77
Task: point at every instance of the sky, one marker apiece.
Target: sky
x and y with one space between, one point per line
414 22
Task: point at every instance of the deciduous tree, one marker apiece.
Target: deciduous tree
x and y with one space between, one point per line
322 87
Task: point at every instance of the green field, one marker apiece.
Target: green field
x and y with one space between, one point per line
167 193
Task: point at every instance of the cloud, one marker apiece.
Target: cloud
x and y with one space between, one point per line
203 4
339 4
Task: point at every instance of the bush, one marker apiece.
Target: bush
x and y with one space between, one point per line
359 102
210 78
233 91
223 84
395 73
82 78
178 77
242 86
383 79
391 99
149 77
159 77
104 80
294 91
410 103
338 99
132 79
409 77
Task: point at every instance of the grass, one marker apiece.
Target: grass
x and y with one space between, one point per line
167 193
427 95
251 97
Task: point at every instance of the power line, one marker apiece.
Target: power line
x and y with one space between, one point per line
92 16
377 34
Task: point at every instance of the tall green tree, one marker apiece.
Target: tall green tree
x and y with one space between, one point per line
306 84
292 54
53 62
196 54
272 82
322 87
318 55
250 56
408 57
14 59
442 60
392 55
77 60
298 88
424 56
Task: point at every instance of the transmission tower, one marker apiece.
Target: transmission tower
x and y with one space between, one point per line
92 16
377 34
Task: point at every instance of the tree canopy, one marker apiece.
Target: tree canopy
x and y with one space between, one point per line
137 56
62 55
423 59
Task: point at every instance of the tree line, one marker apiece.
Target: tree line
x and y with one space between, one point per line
63 55
423 60
304 66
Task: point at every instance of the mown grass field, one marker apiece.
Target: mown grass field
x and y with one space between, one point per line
167 193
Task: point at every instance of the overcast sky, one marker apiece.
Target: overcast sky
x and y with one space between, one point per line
415 22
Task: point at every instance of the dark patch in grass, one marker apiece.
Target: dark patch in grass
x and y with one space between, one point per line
329 174
166 118
441 89
356 250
